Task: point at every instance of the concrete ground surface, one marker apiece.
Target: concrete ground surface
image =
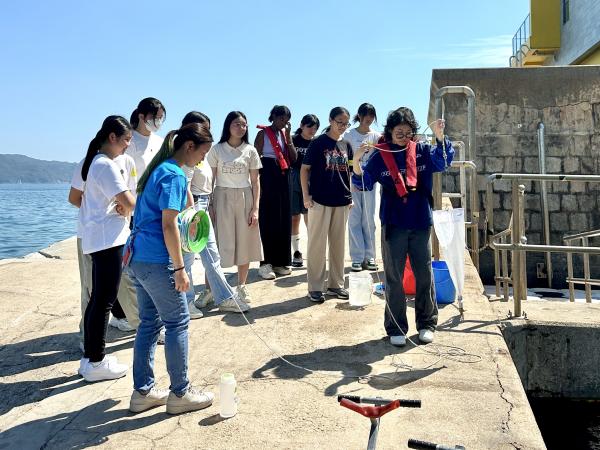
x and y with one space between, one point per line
474 399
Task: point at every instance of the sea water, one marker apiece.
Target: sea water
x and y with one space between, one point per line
34 216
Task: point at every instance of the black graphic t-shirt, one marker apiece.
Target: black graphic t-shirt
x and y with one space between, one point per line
329 163
301 145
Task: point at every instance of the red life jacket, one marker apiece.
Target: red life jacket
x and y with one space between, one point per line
280 155
411 167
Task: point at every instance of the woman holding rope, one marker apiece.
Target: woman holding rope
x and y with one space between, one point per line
157 270
404 169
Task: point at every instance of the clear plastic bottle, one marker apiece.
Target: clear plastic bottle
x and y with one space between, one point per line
228 392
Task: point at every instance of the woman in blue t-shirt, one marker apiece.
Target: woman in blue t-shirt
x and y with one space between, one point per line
406 179
157 270
325 178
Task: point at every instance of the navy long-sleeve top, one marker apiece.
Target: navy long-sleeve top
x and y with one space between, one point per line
413 212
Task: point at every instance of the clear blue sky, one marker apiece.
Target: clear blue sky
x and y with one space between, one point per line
66 65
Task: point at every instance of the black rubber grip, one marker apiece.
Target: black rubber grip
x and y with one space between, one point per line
424 445
410 403
352 398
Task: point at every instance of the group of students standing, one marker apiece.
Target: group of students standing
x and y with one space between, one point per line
132 185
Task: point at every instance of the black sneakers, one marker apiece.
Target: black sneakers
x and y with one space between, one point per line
297 260
339 293
316 296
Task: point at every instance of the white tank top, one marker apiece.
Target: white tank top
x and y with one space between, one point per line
268 151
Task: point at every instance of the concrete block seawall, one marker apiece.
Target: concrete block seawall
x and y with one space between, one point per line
509 104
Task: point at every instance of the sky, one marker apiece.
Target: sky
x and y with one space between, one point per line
66 65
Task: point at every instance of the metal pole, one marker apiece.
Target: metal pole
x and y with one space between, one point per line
523 240
373 434
570 273
516 260
544 193
586 272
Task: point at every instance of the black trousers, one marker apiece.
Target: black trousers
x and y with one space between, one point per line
106 276
274 215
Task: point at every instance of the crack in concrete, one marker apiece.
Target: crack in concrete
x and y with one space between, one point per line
48 255
505 423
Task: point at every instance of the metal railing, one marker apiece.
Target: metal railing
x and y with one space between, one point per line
468 195
518 241
588 282
520 38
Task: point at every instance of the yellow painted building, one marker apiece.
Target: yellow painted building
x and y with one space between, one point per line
558 32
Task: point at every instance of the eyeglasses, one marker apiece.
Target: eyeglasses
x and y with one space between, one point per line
240 125
401 135
342 124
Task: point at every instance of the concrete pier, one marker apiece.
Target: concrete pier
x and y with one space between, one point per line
476 400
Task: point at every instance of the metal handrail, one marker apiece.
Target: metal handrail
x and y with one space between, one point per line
468 187
586 281
522 35
518 245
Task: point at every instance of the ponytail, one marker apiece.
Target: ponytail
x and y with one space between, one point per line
134 120
174 140
112 124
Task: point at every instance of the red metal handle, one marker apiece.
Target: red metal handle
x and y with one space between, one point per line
372 412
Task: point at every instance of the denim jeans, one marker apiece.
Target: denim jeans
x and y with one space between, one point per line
211 260
188 261
361 226
159 303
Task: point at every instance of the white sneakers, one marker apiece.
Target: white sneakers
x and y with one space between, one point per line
282 270
142 402
161 336
234 304
426 336
204 298
120 324
107 369
192 400
266 272
195 313
243 294
398 341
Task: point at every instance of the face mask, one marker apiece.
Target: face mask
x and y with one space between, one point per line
151 126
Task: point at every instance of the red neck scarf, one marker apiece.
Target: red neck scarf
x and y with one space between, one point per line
280 155
411 167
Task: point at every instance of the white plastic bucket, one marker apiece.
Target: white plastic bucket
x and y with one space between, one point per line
360 287
229 399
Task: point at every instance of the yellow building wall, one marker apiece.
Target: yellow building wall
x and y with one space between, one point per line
545 24
591 59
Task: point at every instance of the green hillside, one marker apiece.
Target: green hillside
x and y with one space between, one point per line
20 168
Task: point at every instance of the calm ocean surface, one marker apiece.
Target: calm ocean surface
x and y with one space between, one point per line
33 216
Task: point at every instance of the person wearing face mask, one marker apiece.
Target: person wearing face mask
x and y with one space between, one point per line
405 168
277 153
146 120
104 230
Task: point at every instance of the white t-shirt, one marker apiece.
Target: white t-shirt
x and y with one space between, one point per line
202 179
142 149
102 226
233 164
127 169
356 139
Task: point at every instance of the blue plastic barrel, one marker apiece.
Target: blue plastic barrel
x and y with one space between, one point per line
444 288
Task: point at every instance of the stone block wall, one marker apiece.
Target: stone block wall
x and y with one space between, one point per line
509 104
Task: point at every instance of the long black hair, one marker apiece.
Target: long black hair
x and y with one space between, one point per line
366 109
112 124
226 134
333 114
196 117
174 140
309 120
149 105
400 116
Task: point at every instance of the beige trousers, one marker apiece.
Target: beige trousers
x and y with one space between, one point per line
326 225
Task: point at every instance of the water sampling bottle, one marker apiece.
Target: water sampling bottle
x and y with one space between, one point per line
229 399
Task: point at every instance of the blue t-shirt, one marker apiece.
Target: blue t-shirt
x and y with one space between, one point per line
330 163
165 189
413 212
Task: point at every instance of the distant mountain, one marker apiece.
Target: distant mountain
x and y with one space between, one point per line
20 168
